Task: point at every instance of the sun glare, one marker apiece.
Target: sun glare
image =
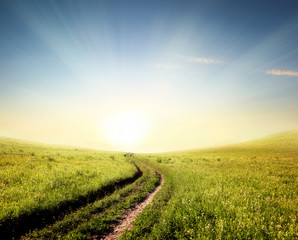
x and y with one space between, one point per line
126 129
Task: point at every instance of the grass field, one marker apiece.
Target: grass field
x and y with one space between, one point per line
39 183
96 218
240 191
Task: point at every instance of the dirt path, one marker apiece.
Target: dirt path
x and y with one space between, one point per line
131 214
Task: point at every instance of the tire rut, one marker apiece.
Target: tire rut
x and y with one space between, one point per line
130 215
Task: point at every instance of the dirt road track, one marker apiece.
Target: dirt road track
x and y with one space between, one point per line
131 214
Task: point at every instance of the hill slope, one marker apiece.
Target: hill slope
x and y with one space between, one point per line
39 180
240 191
283 140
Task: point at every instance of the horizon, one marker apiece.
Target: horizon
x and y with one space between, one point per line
147 76
177 150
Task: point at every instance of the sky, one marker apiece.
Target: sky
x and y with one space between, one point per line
147 76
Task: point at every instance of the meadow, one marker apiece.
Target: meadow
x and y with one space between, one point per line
40 183
95 219
240 191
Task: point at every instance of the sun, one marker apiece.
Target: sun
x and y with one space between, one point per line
126 129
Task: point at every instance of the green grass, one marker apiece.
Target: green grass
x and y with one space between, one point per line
41 179
96 218
242 191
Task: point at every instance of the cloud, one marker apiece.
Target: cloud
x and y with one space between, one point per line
165 66
282 72
202 60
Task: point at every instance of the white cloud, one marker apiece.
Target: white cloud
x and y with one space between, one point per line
282 72
201 60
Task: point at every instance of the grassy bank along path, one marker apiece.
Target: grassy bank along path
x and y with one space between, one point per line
49 192
97 218
241 191
125 223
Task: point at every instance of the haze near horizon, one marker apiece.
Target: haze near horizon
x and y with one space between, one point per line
147 76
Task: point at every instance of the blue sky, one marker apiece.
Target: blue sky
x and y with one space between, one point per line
203 72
